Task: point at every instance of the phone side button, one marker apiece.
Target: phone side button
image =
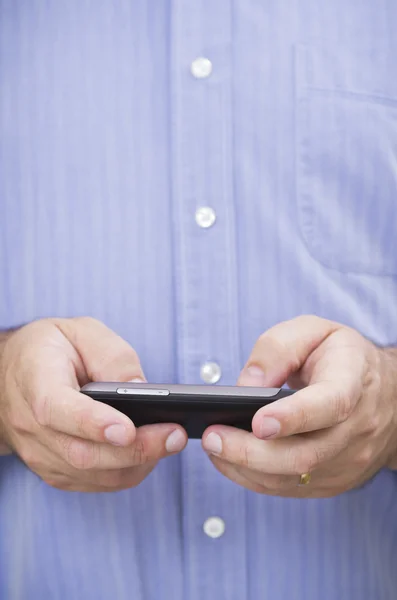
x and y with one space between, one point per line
142 392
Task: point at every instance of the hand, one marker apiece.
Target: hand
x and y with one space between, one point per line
341 428
71 441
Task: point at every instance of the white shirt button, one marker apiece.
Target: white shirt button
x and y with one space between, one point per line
210 372
205 216
201 68
214 527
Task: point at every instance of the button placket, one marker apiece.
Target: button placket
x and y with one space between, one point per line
205 276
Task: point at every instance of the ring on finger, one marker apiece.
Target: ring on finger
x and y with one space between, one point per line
304 479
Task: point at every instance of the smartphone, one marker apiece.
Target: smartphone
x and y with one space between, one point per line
195 407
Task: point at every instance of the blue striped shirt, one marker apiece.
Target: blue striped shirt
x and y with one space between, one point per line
108 145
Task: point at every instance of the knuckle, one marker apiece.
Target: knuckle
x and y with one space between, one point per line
58 482
363 458
139 453
319 454
128 360
283 349
29 457
263 337
271 337
20 422
117 479
302 419
79 454
371 361
122 361
110 479
343 406
373 423
42 409
313 322
83 423
303 461
86 321
245 458
276 482
52 482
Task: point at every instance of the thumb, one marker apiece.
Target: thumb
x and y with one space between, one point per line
283 350
105 355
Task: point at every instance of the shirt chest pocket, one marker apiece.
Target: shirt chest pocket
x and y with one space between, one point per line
346 166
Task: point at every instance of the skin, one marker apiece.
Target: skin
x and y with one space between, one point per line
61 434
341 426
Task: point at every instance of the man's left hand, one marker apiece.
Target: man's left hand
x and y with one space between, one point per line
340 426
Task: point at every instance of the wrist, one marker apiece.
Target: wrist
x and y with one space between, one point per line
389 387
4 336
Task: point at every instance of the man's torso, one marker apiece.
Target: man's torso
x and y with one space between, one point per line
108 145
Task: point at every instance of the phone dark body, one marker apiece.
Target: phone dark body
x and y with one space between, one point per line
195 407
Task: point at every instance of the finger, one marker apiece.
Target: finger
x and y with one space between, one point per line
55 471
267 482
233 473
261 483
316 407
285 456
152 443
68 411
336 374
119 479
272 485
96 482
322 484
283 349
100 481
285 486
106 356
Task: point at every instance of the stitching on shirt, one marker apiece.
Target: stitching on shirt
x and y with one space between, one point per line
360 96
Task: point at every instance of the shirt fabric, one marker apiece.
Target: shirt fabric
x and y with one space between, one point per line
108 145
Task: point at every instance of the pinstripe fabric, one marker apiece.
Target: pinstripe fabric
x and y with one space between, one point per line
107 147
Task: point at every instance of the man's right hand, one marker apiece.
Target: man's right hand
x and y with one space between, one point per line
71 441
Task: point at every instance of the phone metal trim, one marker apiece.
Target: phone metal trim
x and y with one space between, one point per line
182 390
141 392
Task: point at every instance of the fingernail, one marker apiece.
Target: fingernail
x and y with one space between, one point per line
269 427
175 441
137 380
213 443
252 376
116 435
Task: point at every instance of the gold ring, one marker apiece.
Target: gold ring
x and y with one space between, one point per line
305 479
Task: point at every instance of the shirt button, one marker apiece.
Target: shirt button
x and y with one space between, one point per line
210 372
201 68
205 216
214 527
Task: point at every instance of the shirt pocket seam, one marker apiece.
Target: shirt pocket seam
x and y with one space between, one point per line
355 96
304 94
